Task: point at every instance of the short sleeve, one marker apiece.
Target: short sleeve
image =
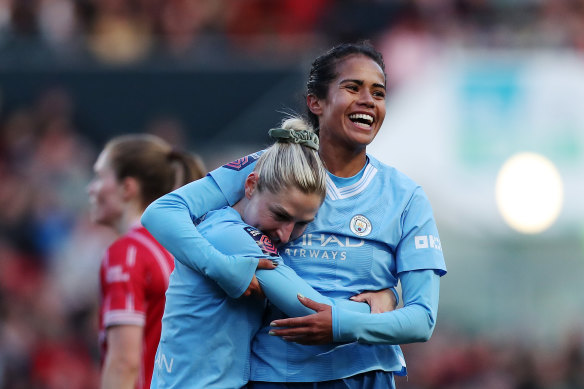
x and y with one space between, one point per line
420 246
123 285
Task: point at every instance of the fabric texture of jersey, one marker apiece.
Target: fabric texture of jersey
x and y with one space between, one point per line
134 276
205 338
198 312
362 238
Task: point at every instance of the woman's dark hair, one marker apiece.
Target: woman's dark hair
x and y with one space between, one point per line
324 70
154 163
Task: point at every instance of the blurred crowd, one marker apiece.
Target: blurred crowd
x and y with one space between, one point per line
129 31
50 252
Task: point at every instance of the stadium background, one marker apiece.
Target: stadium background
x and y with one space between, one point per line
471 83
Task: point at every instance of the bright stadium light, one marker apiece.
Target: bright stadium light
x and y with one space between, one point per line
529 192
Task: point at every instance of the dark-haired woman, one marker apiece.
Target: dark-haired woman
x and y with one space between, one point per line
375 228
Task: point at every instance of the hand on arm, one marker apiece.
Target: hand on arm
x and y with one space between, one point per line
309 330
412 323
318 327
384 300
123 357
255 289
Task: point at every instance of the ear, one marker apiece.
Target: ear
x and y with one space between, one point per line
130 188
251 184
314 104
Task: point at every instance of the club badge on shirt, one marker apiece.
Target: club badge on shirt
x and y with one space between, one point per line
263 241
360 225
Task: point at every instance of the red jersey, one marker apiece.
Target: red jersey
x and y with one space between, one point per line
134 277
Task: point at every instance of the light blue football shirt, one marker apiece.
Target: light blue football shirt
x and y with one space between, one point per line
206 335
371 230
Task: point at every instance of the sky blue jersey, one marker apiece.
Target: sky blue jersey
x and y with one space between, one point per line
206 335
372 230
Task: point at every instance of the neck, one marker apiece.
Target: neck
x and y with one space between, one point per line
342 162
130 218
240 206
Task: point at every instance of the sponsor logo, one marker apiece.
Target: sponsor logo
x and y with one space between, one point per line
312 245
316 254
427 241
163 363
242 162
263 241
360 225
116 274
324 240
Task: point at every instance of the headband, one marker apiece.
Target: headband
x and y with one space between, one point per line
301 137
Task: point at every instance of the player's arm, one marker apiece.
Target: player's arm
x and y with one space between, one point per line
170 220
282 286
123 357
419 266
413 323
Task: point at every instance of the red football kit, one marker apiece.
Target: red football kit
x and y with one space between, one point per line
134 277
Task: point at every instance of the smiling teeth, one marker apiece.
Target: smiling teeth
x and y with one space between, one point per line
361 116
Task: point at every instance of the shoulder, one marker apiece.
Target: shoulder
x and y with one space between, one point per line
225 229
243 162
393 179
134 246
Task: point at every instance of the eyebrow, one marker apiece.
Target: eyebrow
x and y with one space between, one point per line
280 211
360 83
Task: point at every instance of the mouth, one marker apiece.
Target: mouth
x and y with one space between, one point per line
362 120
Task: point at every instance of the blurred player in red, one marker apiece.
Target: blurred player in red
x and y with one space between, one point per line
130 173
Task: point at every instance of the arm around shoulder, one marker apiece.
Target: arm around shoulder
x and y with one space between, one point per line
170 220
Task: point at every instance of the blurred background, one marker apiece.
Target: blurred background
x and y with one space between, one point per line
485 110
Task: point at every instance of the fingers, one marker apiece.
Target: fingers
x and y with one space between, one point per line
360 298
290 322
312 304
266 264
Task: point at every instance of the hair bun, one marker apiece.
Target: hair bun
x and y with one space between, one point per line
301 137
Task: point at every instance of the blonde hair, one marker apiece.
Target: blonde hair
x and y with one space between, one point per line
293 164
154 163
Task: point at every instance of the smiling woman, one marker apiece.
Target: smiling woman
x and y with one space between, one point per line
280 199
365 237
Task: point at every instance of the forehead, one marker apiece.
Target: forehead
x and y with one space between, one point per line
360 67
102 162
293 201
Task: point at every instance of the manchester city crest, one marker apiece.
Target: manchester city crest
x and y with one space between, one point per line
360 225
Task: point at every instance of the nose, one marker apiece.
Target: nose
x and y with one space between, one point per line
89 187
284 232
366 98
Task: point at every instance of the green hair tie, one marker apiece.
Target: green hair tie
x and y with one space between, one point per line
301 137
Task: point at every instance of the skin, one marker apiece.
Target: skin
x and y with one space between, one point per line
359 88
118 204
281 216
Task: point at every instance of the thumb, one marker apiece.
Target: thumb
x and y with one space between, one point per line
266 264
312 304
360 298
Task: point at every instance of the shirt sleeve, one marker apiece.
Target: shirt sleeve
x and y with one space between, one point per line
282 286
123 286
419 246
414 322
170 220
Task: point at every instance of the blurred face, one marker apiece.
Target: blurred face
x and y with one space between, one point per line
354 108
106 200
281 216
